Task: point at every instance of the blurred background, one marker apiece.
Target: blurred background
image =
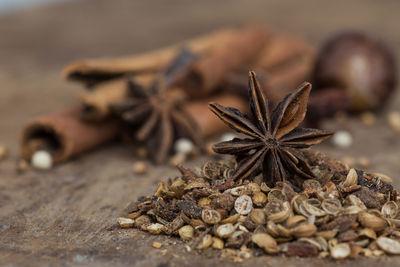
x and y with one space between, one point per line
39 37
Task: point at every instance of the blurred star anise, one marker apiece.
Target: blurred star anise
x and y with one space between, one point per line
156 114
274 139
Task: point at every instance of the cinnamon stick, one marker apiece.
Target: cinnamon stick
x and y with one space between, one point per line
93 71
96 102
283 64
211 125
64 135
230 54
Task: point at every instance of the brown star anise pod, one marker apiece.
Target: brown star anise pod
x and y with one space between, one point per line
156 114
274 139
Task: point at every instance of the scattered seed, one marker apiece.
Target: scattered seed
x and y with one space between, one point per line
342 139
368 118
183 145
125 222
42 160
157 245
140 167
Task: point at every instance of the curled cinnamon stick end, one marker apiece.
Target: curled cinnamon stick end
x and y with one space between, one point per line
64 135
231 54
212 125
93 71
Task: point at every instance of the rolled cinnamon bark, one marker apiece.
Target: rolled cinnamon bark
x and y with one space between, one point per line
96 102
210 125
230 54
64 135
93 71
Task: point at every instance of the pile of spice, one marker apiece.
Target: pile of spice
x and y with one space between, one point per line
341 214
274 195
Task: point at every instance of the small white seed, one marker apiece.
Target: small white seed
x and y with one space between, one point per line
342 139
183 145
42 159
243 205
140 167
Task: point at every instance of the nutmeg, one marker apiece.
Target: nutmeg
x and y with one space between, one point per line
360 65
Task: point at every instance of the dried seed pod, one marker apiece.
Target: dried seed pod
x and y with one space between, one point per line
217 243
331 206
310 207
204 202
340 251
257 216
178 188
186 232
266 242
371 221
142 222
327 235
161 188
212 170
243 205
388 245
205 242
362 243
390 210
297 200
225 230
239 191
276 195
254 188
210 216
222 201
259 199
318 242
295 220
355 201
304 230
383 177
283 231
198 183
231 219
367 232
237 239
264 187
311 186
125 222
156 228
352 210
277 211
272 229
351 178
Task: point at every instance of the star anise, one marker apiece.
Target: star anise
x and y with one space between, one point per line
156 114
274 140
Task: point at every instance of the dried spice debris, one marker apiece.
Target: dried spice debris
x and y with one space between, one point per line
246 218
274 140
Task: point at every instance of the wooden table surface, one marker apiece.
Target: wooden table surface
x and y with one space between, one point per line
66 216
